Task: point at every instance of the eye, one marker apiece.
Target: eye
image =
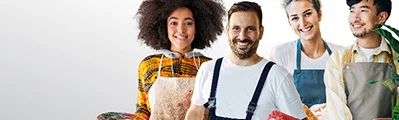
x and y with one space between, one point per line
252 29
308 13
189 23
173 23
294 18
363 10
351 11
235 28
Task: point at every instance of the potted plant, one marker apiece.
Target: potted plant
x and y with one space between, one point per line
392 85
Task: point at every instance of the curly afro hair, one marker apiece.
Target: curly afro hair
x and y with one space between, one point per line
153 14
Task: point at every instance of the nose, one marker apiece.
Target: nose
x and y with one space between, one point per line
302 22
181 29
242 35
354 17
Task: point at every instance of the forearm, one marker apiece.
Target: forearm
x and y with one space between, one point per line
195 112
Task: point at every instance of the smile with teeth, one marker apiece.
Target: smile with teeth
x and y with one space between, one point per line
306 29
181 37
357 25
242 45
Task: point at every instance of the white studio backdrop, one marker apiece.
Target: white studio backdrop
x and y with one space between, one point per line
72 60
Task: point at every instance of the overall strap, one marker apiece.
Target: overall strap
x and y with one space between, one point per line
254 101
211 104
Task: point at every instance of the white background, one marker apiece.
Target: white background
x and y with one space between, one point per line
74 59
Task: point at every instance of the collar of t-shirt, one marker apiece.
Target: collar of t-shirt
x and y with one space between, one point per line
368 52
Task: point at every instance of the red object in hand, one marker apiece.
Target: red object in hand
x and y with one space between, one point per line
277 115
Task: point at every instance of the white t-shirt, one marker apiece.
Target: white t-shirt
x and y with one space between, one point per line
285 55
237 84
368 52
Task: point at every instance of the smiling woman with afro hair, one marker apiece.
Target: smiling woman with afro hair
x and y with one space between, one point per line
153 14
166 79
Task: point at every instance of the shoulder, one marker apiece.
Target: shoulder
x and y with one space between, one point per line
285 47
284 53
205 58
150 61
209 64
278 76
277 72
335 46
338 55
151 58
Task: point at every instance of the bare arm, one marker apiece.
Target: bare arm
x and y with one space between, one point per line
195 112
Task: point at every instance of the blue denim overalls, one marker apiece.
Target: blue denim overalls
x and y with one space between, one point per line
309 82
211 104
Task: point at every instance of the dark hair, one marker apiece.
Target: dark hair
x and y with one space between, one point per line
153 14
246 6
316 4
381 5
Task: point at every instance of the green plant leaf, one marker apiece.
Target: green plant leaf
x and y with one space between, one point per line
395 113
395 76
396 58
372 82
396 31
389 84
392 41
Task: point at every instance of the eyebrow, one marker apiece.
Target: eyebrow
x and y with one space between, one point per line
293 15
188 18
307 10
246 27
363 6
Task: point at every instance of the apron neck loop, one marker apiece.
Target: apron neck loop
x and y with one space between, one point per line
299 49
195 62
327 48
160 66
171 66
298 55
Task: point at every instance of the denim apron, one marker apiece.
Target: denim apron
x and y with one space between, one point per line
211 104
309 82
364 101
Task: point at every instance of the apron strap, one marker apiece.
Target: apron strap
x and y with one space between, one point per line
254 101
298 53
212 100
327 48
160 66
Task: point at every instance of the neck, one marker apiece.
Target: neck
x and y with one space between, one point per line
255 58
313 48
373 40
181 51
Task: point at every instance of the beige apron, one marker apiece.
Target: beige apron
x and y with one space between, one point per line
170 97
364 101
